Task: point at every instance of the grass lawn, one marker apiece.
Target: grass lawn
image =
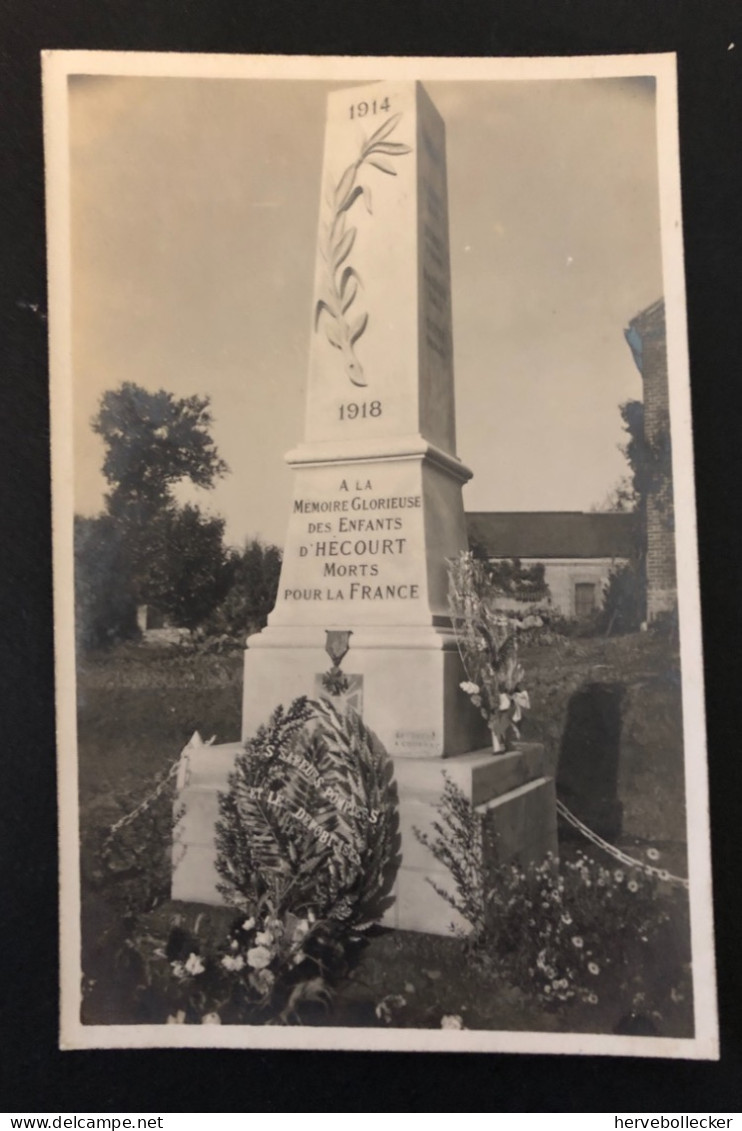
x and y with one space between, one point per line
609 713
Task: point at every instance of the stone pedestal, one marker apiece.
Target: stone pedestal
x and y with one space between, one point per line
203 774
512 787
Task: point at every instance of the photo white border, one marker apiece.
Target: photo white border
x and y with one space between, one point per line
57 67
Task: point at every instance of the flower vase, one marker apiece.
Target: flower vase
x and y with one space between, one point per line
499 729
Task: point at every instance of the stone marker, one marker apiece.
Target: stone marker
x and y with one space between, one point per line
377 505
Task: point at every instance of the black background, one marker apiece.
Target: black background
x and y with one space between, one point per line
38 1077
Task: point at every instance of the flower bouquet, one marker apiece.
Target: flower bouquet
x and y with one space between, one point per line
487 640
271 968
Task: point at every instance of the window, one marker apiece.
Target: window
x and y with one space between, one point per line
584 599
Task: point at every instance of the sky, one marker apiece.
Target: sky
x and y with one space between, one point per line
194 208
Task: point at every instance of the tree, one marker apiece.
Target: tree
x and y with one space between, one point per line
146 549
189 570
252 593
621 498
650 463
154 441
510 577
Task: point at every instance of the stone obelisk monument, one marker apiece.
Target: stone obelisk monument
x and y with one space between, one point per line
377 503
377 510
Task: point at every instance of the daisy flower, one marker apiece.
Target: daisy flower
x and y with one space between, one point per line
233 963
194 965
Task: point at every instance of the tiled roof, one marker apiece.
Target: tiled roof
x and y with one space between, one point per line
551 534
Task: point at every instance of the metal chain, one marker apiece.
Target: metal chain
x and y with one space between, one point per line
616 853
630 861
143 805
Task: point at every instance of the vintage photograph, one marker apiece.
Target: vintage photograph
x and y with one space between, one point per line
379 680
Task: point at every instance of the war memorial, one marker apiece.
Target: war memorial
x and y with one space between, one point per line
377 512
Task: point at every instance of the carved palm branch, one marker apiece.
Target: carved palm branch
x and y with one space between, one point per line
342 282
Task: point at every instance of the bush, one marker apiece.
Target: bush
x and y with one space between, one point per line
623 606
252 592
564 935
275 969
105 607
126 869
510 578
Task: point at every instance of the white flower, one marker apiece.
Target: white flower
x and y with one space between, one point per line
179 970
230 963
653 854
263 980
578 942
194 965
592 999
263 938
451 1021
248 924
298 957
618 876
663 874
469 687
259 957
211 1019
567 919
301 930
504 701
593 967
632 885
177 1018
387 1006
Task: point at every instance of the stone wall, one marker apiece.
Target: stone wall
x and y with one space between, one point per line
647 339
563 575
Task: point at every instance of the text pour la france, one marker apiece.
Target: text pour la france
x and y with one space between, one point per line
358 592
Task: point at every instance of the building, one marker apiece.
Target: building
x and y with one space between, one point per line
646 337
578 550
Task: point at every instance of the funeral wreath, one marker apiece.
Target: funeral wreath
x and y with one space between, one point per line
307 850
